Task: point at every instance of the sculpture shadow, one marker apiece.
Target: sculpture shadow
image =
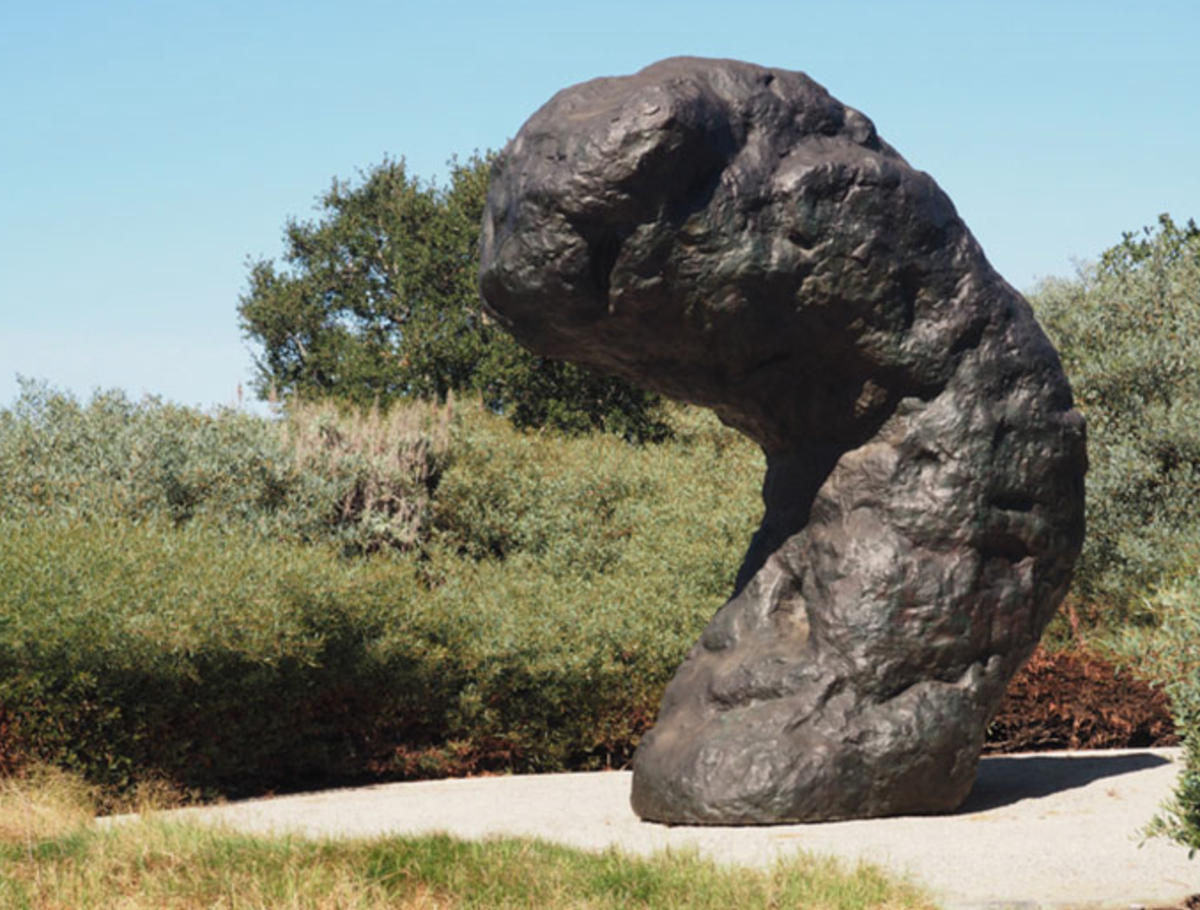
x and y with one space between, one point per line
1008 779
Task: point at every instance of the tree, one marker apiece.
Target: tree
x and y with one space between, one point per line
1128 331
378 301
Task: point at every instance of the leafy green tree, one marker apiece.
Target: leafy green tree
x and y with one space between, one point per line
377 301
1128 330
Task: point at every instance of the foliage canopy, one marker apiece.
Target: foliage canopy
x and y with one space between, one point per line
1128 330
377 301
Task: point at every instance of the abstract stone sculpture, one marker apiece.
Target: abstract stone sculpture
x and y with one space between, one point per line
732 236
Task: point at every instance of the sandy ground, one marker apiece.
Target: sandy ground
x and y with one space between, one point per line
1046 830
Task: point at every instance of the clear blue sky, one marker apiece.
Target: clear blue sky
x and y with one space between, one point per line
148 148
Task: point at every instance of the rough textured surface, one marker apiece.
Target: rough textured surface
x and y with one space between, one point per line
732 236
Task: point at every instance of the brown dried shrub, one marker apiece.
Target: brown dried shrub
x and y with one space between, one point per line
1076 699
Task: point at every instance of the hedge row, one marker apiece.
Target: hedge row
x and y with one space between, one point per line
557 584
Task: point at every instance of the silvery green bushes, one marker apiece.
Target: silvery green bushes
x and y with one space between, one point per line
269 637
360 478
1128 330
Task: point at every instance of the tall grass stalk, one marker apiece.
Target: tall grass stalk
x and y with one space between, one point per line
384 465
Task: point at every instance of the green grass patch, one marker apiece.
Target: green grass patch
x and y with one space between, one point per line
53 857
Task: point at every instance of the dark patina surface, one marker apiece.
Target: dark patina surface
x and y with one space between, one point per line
733 236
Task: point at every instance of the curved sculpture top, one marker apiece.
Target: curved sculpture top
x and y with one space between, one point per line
733 236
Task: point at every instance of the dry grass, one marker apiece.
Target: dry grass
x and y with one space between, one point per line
42 804
53 858
389 461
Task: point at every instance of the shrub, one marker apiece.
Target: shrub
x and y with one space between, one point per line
198 653
1077 699
117 457
378 469
1170 651
558 584
363 479
1128 331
